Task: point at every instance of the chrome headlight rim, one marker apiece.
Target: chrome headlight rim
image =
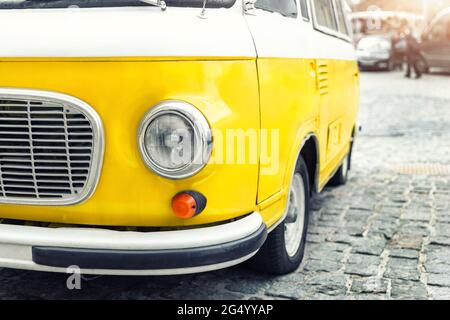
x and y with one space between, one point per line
202 144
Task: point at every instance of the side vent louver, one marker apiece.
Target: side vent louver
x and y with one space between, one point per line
322 77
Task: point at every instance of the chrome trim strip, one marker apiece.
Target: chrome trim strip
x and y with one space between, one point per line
98 148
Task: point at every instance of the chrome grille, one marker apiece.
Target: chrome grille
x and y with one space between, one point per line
50 148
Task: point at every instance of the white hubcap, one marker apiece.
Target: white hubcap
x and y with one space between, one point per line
295 219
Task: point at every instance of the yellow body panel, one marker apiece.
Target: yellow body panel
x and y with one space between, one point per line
121 92
338 113
287 96
300 98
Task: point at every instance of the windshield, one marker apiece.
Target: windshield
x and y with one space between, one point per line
42 4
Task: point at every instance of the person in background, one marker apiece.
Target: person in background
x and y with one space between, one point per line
398 47
413 54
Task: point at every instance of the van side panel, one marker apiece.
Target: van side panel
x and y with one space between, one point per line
338 93
286 90
339 108
308 85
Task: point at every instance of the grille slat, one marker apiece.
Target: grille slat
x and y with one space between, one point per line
31 181
46 149
6 174
33 194
36 167
2 159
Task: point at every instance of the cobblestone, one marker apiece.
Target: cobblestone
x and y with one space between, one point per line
370 285
362 265
385 235
406 290
404 253
403 269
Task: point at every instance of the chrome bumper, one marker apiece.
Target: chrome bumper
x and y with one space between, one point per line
100 251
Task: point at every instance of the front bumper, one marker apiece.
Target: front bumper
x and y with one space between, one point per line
100 251
373 63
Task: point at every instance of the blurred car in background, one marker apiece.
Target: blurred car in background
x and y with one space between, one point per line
377 53
435 45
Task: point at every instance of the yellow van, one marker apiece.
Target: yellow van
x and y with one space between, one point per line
143 137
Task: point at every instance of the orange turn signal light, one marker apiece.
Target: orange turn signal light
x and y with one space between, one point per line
188 204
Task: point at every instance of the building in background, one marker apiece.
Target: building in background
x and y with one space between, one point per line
429 8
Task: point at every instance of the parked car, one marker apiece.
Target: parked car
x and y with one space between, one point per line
152 140
378 53
435 44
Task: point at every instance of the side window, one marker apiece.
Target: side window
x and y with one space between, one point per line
287 8
324 11
342 19
304 9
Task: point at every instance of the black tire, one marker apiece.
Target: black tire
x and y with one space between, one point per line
341 176
423 66
273 258
391 66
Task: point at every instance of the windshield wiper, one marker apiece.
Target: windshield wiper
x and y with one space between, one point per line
158 3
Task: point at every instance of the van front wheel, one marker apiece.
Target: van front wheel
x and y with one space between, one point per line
285 246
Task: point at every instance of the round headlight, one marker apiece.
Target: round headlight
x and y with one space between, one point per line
175 140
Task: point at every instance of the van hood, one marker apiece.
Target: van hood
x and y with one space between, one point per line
123 32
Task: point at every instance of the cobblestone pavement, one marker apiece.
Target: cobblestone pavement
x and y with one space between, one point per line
386 235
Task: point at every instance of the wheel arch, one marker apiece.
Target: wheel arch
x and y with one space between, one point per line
307 146
310 153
